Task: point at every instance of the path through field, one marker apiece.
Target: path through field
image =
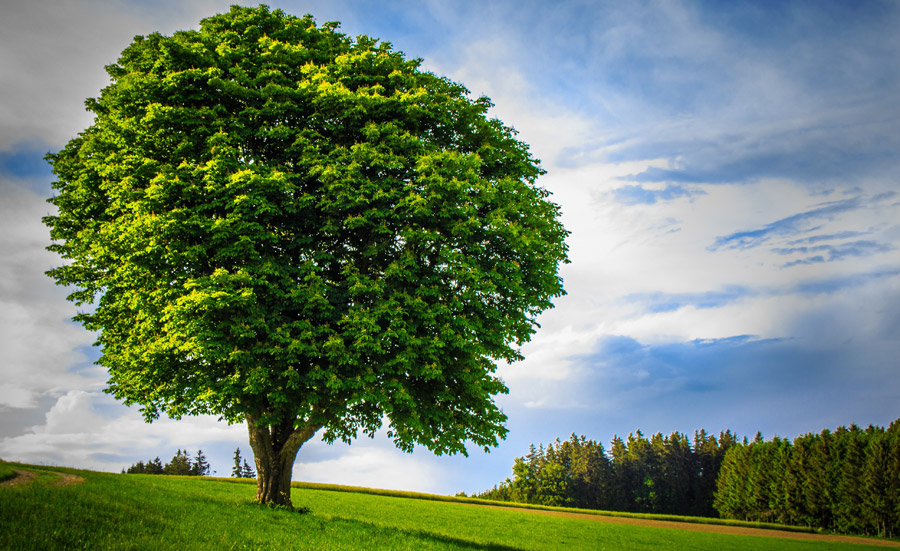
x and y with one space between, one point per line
717 528
24 477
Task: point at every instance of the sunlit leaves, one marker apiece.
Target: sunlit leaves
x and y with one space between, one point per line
279 221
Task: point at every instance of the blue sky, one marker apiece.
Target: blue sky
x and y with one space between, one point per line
728 170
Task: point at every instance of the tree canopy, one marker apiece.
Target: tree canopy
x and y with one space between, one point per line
273 222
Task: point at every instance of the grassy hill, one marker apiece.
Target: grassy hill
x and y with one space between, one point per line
135 512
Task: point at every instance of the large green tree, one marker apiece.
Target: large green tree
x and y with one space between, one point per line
272 222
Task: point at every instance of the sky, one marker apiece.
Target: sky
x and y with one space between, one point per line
729 173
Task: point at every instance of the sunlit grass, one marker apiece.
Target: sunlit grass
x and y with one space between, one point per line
135 512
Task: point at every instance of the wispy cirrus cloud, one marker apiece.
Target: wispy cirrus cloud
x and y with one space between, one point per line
790 225
640 195
828 237
667 302
832 253
657 302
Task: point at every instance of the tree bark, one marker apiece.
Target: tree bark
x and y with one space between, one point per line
274 451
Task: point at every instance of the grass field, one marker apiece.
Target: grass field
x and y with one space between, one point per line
113 511
6 471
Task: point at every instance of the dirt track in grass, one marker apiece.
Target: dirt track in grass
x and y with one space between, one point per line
717 528
24 477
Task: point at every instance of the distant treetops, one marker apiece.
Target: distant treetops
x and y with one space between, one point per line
181 464
663 474
846 481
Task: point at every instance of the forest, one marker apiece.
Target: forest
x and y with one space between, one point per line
845 481
663 474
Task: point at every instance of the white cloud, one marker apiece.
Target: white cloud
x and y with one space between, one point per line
72 414
54 54
87 429
373 463
39 345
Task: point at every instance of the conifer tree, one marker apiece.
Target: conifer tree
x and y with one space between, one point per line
201 465
179 465
137 468
247 471
238 470
155 466
878 504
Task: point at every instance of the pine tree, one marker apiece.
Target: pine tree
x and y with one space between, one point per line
893 477
849 511
730 498
643 463
238 470
780 466
180 464
201 465
591 473
137 468
622 476
246 471
154 467
819 481
878 508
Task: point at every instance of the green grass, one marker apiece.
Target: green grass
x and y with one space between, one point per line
6 471
477 501
135 512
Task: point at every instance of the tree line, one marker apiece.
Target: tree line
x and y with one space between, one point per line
845 481
663 474
182 464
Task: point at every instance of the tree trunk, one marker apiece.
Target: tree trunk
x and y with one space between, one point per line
274 450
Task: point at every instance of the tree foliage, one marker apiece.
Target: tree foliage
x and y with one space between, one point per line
241 468
670 475
181 464
845 481
272 222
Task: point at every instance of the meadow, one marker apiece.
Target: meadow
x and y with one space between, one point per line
136 512
6 471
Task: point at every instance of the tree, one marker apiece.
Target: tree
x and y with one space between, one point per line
180 464
200 466
137 468
154 467
247 471
238 470
277 224
877 480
